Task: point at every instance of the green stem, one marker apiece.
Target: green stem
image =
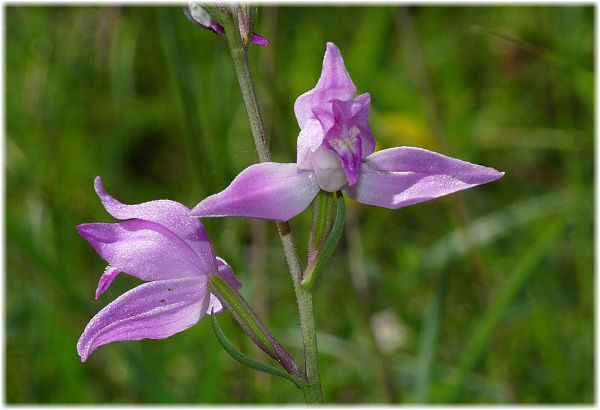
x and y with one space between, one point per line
239 54
312 393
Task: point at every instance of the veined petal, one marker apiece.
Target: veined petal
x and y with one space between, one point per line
170 214
109 275
143 249
349 151
359 109
419 160
350 133
345 140
226 273
153 310
269 190
334 83
403 176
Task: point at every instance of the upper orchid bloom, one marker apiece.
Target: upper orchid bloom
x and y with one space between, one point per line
202 18
336 151
160 243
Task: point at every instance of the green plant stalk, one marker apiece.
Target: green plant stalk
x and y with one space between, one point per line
239 55
312 392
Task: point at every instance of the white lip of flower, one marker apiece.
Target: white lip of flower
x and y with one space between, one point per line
327 165
328 169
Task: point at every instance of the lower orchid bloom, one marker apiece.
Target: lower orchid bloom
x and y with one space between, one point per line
160 243
336 152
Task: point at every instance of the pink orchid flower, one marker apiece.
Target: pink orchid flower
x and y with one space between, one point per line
336 152
161 244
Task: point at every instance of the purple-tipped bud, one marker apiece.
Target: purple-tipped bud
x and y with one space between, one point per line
259 40
202 18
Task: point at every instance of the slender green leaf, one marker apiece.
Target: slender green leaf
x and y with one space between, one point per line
248 361
315 269
322 220
251 324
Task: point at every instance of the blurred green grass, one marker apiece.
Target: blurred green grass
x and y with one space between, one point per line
482 297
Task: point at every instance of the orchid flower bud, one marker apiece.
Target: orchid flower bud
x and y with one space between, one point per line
202 18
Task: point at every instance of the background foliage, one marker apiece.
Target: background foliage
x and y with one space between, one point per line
482 297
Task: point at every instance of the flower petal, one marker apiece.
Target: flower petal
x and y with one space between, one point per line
170 214
226 273
403 176
259 40
309 140
154 310
327 167
359 109
143 249
214 305
419 160
110 273
345 140
269 190
334 83
200 17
